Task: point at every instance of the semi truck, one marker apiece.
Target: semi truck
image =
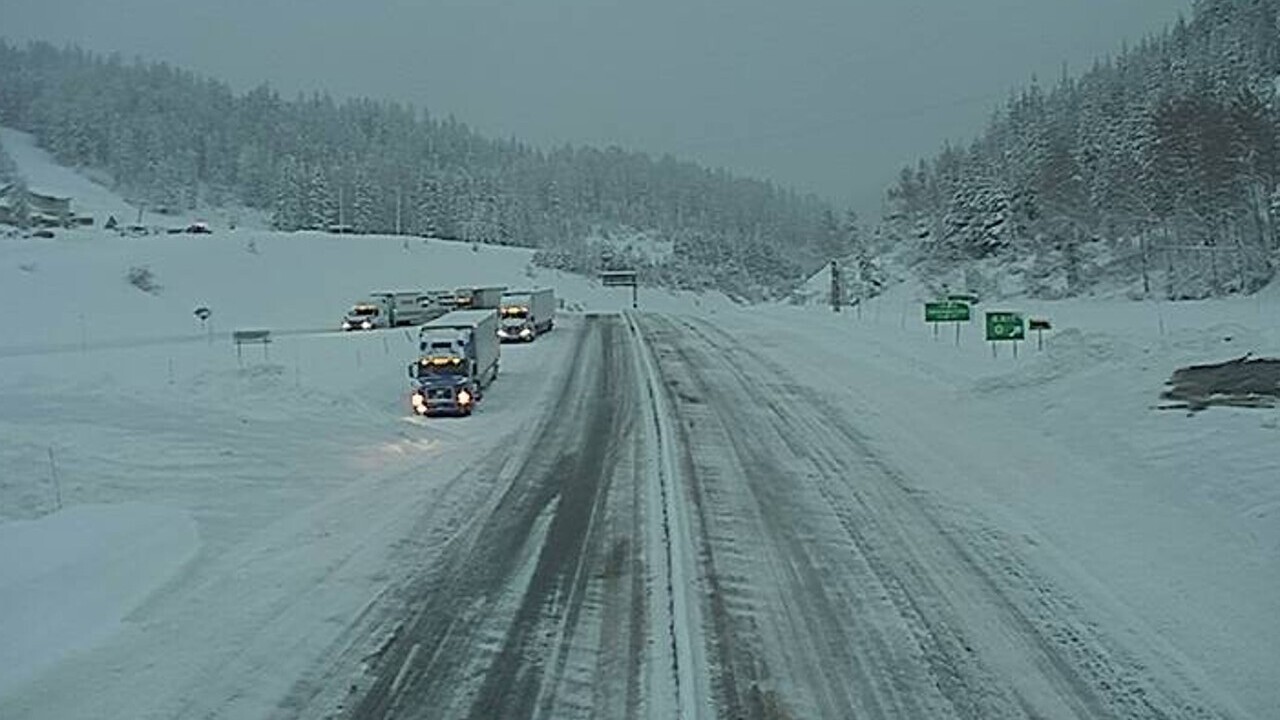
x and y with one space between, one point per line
392 309
479 298
525 314
458 359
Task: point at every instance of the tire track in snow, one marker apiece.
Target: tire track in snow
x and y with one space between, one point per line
538 609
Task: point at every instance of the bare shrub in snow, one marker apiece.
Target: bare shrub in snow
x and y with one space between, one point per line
141 277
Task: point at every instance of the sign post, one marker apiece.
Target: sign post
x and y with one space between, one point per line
622 278
203 314
837 287
1005 327
260 337
946 311
1039 325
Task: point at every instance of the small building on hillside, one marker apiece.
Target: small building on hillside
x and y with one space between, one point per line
49 210
22 206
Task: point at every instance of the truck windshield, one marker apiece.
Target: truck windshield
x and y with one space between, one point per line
364 310
515 312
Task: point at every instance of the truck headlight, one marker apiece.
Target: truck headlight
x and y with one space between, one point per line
526 332
366 325
346 324
418 400
464 397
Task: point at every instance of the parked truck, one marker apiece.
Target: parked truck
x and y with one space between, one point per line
459 358
392 309
479 298
526 314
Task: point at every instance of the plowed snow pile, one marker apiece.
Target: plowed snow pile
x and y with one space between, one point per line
1244 382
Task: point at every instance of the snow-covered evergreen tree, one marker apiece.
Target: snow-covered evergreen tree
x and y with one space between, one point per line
1162 159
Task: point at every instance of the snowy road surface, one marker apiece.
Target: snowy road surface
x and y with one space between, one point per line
728 546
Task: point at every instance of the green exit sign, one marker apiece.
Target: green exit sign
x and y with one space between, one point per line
948 311
1005 326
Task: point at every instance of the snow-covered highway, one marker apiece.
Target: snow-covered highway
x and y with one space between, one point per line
818 580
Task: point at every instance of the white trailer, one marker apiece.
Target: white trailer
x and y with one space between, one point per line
527 314
390 309
477 298
469 334
459 359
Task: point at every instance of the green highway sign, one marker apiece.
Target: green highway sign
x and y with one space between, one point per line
1005 326
616 278
948 311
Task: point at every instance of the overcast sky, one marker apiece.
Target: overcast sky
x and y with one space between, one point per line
829 96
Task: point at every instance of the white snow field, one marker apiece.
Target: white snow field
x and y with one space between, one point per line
1171 521
291 460
186 533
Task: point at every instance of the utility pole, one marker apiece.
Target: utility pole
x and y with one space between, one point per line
399 199
837 287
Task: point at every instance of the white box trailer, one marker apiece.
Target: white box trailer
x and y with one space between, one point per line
527 314
470 334
390 309
478 298
459 359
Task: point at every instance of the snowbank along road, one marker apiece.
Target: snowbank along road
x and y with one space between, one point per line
690 531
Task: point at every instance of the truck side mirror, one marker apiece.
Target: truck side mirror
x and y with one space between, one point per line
413 370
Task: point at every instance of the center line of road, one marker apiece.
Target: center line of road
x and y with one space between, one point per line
681 625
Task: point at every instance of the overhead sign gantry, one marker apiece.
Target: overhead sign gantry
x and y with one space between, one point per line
621 278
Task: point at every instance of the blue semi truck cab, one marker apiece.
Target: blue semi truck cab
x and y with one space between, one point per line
458 360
